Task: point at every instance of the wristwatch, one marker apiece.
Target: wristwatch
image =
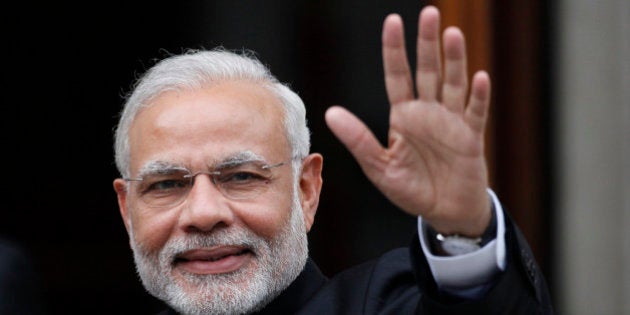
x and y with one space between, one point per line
453 245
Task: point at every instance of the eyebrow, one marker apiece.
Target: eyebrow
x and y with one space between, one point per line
160 167
238 159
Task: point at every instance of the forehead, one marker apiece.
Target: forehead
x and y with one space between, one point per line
194 126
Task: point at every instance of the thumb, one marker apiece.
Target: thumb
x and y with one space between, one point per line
357 138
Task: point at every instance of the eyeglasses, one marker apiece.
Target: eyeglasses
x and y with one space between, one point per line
169 187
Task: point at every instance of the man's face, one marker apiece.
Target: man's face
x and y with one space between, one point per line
211 253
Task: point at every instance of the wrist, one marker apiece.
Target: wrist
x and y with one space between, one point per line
454 244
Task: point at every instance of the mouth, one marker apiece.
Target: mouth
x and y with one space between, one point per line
215 260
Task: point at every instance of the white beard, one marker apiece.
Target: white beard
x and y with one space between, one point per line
276 264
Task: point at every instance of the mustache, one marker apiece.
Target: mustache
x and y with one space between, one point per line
224 237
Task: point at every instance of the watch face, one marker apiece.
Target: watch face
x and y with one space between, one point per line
458 245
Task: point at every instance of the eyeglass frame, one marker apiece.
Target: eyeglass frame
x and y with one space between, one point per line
212 174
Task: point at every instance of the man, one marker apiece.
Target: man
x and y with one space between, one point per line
219 190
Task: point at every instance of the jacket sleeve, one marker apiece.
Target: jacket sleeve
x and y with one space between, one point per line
519 289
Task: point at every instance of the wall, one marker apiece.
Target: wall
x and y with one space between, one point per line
592 164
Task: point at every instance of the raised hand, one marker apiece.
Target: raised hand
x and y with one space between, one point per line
434 164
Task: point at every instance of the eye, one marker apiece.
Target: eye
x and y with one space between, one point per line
162 184
242 174
168 184
240 177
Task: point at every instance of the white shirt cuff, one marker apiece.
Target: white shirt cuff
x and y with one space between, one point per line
466 275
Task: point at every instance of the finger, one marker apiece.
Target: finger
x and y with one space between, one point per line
455 84
429 68
355 135
476 113
398 81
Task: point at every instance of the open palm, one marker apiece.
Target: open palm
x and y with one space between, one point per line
434 164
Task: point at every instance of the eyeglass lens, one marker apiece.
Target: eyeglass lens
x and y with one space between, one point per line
168 189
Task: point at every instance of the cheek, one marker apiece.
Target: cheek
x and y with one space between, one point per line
152 229
267 216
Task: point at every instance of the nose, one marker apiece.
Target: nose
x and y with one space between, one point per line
205 207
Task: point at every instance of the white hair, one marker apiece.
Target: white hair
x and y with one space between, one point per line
195 69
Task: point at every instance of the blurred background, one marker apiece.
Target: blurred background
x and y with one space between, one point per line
558 141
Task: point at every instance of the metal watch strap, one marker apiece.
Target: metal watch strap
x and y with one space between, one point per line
437 240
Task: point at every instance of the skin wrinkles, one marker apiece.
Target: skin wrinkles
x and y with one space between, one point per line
165 167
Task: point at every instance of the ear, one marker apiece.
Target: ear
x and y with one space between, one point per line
120 186
310 187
